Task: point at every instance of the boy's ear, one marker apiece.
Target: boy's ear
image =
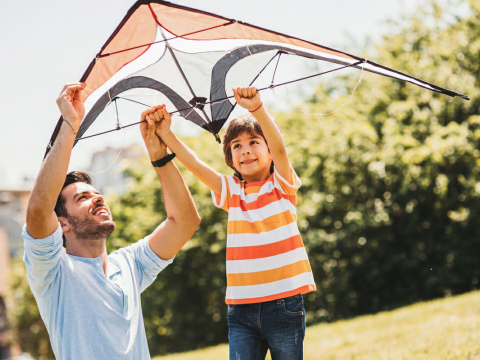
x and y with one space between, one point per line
64 224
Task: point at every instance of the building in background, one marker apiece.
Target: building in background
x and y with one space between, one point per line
108 176
107 168
13 209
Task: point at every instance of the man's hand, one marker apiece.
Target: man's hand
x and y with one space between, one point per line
155 146
247 97
70 102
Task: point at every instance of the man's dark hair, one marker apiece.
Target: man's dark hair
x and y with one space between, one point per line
73 177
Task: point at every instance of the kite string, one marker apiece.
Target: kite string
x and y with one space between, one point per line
122 147
124 130
118 127
324 114
111 164
260 72
272 87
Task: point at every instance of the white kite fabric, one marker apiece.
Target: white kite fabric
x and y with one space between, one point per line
193 58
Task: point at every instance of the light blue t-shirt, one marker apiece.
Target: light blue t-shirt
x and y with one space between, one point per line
89 315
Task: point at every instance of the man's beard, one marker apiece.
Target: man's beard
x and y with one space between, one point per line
86 228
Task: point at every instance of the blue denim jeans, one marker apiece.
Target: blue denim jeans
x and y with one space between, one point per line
278 326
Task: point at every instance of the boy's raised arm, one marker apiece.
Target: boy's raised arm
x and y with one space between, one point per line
249 99
187 157
41 218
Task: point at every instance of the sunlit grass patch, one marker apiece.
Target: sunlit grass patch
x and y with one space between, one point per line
445 329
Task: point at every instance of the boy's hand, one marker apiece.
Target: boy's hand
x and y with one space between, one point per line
247 97
165 123
155 146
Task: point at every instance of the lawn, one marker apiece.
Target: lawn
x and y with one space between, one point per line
445 329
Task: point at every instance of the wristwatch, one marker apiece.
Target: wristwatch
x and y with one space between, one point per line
163 161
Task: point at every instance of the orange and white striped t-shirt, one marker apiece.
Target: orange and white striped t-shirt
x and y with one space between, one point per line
266 259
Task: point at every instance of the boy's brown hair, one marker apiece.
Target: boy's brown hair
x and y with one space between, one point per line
245 123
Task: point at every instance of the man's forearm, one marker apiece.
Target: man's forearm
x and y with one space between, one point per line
182 217
178 200
48 185
52 173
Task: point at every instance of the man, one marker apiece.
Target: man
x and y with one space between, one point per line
90 301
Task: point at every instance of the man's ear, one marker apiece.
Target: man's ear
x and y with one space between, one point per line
64 224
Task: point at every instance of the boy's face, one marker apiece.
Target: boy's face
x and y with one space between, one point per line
251 157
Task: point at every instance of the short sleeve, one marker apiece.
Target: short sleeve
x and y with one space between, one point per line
149 265
222 200
42 259
288 186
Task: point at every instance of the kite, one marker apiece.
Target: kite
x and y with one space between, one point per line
192 58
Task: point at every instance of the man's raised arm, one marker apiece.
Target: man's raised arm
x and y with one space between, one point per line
41 218
182 216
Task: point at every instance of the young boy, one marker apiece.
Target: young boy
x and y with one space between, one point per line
267 265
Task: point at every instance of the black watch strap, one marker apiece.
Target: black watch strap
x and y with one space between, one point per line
163 161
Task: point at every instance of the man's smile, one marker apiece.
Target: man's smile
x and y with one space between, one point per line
101 211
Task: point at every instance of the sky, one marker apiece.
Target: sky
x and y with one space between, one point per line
45 44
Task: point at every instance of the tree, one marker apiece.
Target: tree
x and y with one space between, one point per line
390 193
27 327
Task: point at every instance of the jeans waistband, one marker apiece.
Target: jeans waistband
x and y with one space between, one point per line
290 297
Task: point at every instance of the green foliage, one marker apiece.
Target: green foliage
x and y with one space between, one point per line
28 329
391 190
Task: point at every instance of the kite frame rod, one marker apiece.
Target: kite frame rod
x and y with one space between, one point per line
172 53
218 100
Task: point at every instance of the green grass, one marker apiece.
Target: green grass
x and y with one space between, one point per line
446 329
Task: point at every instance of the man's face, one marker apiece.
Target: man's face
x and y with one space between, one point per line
88 216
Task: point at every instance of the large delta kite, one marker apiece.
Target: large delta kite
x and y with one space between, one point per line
190 56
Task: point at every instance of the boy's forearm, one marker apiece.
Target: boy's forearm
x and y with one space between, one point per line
270 130
190 160
183 153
